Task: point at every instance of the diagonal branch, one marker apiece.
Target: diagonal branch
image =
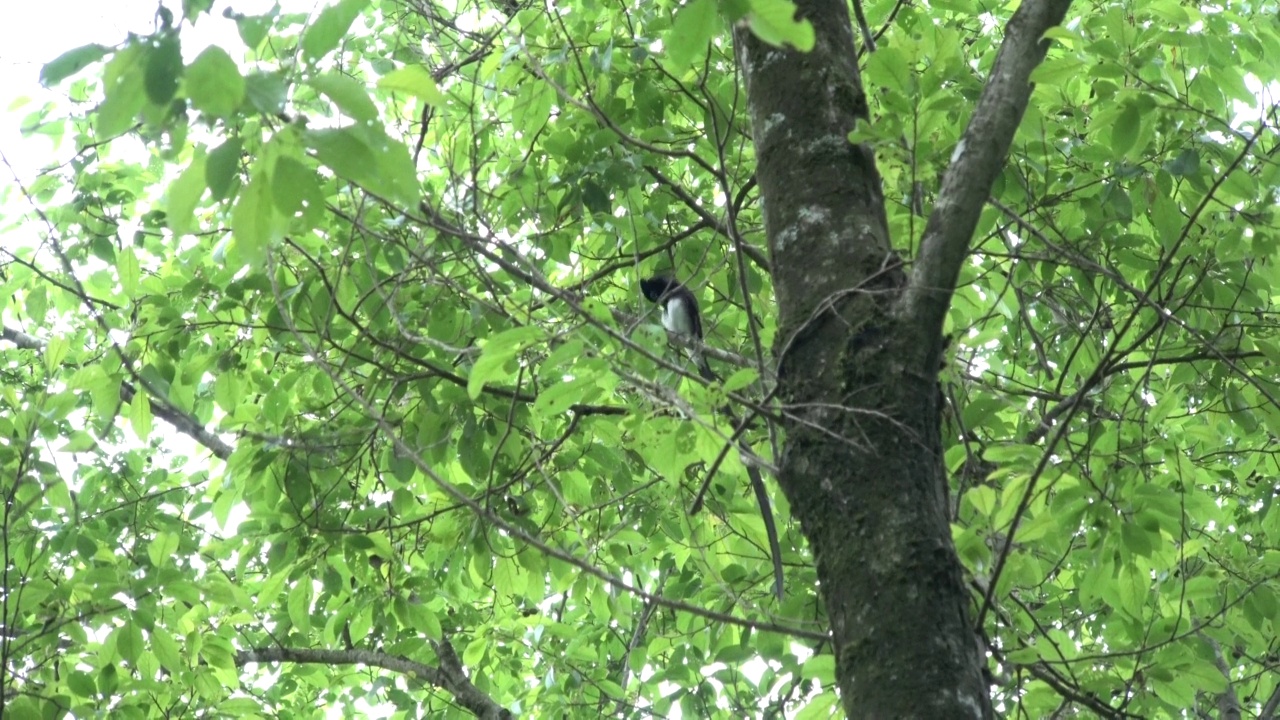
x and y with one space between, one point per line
975 163
181 421
448 676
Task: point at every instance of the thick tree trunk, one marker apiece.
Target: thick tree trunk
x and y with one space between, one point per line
862 467
858 352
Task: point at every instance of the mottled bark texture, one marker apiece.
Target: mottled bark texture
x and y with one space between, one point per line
858 351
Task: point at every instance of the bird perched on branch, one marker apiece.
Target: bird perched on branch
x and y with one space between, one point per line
680 315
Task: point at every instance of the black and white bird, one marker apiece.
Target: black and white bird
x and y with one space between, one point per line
679 315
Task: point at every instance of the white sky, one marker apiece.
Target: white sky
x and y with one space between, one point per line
33 33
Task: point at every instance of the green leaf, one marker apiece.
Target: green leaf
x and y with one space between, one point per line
983 499
329 28
1038 526
819 708
774 21
298 485
269 593
71 62
81 684
740 379
299 604
193 8
266 93
1187 163
109 677
140 415
423 620
255 225
691 31
890 67
79 441
164 67
227 392
557 399
349 95
1068 38
129 642
595 198
125 94
293 186
533 107
820 667
1178 693
23 708
253 28
214 83
367 157
218 653
1124 131
343 152
1136 540
166 649
1166 218
241 707
1056 71
222 167
414 80
55 351
129 271
162 547
474 652
497 352
183 196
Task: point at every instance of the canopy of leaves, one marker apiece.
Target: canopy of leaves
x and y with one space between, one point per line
327 381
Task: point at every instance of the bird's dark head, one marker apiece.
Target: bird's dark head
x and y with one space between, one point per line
656 287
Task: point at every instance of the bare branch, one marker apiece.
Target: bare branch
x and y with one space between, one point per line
182 422
448 676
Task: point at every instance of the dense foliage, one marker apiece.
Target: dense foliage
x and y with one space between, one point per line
328 387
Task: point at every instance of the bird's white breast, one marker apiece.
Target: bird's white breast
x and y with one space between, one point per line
677 317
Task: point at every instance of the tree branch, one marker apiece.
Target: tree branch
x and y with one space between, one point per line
975 163
1228 703
448 676
182 422
756 254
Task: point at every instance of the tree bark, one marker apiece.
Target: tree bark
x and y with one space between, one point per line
858 351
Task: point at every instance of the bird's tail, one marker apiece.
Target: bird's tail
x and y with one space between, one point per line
704 369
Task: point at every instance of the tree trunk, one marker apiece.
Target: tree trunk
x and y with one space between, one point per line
858 350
